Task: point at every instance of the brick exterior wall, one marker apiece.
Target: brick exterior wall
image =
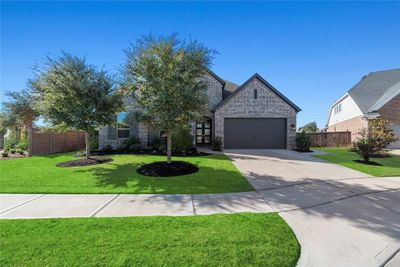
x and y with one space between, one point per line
391 111
267 105
354 125
214 92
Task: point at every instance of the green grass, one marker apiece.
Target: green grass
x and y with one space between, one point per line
39 174
217 240
342 156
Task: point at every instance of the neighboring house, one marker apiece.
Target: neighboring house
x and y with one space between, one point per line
376 95
253 115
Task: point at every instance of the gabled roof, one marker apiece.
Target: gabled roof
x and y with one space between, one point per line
261 79
375 89
215 76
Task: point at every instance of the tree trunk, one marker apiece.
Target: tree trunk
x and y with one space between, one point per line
366 158
87 143
169 146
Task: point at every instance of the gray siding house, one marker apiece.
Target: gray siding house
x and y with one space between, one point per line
253 115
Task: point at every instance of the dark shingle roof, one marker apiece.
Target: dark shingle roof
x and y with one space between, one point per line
372 87
229 88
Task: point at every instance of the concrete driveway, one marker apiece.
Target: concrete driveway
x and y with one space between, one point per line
341 217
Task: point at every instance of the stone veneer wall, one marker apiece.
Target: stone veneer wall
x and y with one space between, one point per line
111 139
214 92
267 105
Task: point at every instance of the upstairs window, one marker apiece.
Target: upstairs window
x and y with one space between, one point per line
337 108
255 94
123 128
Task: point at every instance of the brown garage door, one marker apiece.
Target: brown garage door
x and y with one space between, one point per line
254 133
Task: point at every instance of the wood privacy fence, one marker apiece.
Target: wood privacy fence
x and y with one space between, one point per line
331 139
53 142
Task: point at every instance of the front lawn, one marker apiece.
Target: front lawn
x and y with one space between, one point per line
217 240
342 156
39 174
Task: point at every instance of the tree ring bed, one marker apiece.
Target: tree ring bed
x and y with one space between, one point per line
164 169
83 162
373 163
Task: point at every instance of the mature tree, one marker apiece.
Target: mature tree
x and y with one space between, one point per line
74 95
165 76
310 127
21 111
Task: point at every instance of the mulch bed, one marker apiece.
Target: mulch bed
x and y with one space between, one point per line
83 162
147 152
373 163
164 169
302 151
13 156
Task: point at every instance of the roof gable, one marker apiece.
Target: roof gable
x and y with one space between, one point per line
373 87
263 81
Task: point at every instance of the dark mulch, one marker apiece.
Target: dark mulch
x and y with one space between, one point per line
83 162
302 151
164 169
373 163
148 152
13 156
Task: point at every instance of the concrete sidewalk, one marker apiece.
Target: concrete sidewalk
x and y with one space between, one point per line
18 206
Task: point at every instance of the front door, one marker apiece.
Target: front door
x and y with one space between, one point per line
203 133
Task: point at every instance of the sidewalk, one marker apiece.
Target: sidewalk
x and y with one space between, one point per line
18 206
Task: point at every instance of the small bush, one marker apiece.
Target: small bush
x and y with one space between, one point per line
11 142
19 151
80 154
216 144
303 142
23 144
4 154
12 151
94 141
182 140
108 148
155 144
132 144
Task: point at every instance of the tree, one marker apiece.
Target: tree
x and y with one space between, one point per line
310 127
374 139
74 95
21 112
165 77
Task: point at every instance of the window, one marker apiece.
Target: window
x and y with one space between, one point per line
123 129
337 108
255 94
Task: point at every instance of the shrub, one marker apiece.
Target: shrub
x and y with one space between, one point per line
12 151
216 144
131 144
94 141
4 154
156 144
11 142
303 142
23 144
182 140
381 134
19 151
108 148
367 144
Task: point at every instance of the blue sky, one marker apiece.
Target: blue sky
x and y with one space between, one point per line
313 52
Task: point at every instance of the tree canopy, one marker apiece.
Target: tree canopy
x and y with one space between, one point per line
71 94
165 76
310 127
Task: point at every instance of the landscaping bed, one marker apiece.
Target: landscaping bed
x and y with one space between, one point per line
165 169
216 240
83 162
382 166
39 174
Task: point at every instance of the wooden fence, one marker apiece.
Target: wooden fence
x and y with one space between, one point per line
331 139
53 142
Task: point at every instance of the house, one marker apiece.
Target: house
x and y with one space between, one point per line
252 115
376 95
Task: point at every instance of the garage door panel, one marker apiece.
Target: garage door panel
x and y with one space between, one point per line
255 133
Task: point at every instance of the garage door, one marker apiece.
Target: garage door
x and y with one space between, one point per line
254 133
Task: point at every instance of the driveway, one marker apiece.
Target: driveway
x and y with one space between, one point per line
341 217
